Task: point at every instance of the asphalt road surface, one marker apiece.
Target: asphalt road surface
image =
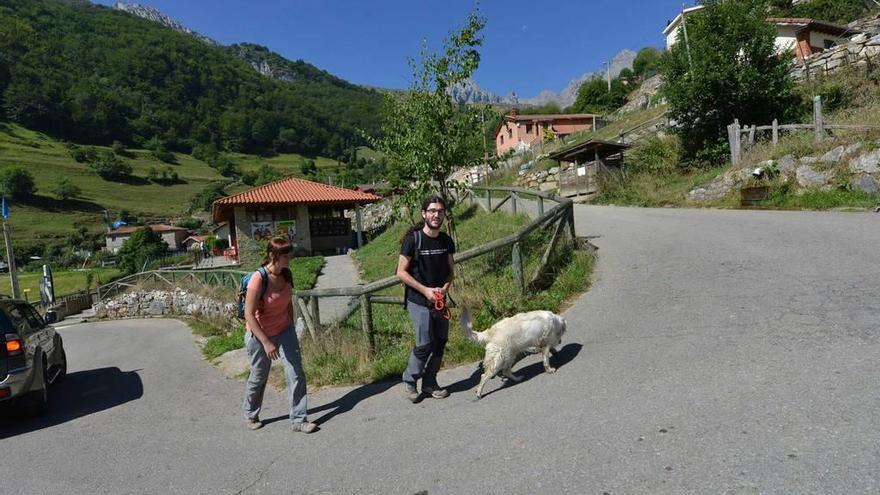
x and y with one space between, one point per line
728 352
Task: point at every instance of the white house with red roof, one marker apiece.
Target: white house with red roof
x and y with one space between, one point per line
310 214
518 131
173 236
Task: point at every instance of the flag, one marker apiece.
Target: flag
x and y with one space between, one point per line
5 208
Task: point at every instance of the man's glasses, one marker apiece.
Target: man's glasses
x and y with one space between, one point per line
433 211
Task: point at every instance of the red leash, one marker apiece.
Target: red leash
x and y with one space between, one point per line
440 304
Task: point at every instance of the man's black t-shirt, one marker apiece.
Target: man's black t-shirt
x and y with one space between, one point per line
431 266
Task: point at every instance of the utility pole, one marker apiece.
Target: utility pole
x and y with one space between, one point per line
608 74
485 147
687 45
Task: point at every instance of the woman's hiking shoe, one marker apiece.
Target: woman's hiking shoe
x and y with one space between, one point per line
254 423
435 392
411 392
304 426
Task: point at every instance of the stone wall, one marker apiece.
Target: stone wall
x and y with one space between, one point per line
860 171
142 303
861 51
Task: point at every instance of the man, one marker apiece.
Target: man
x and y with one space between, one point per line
425 266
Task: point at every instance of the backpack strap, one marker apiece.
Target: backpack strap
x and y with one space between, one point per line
264 282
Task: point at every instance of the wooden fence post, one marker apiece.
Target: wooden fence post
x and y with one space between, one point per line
488 200
517 267
570 215
367 322
540 206
513 198
315 312
817 118
775 132
752 135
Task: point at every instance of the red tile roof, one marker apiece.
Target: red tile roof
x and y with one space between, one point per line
159 227
292 190
825 27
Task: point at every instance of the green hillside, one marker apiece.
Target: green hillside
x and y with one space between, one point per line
48 160
90 74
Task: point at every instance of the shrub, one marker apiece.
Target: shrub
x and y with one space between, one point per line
65 190
224 165
655 155
206 197
17 183
109 167
83 154
143 245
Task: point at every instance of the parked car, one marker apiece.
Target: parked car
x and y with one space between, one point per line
32 356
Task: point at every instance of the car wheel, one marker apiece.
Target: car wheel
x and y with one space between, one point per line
61 370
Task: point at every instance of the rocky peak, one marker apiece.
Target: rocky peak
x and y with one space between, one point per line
152 14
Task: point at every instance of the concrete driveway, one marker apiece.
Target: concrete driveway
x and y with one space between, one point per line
718 352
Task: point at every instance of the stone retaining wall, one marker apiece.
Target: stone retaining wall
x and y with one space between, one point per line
861 51
141 303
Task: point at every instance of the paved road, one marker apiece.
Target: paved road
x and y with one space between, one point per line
718 352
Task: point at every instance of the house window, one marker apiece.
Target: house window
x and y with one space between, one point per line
501 137
510 133
528 128
830 44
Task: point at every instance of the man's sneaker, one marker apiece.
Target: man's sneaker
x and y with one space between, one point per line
254 423
304 427
435 392
411 391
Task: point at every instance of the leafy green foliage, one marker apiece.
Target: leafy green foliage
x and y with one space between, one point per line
82 154
425 134
109 167
143 245
65 190
595 97
307 167
647 62
655 155
264 175
17 183
730 72
95 75
839 11
206 197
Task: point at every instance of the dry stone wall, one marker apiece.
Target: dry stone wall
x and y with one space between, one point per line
141 303
862 51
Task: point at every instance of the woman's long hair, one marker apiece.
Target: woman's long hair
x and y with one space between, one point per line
420 225
276 247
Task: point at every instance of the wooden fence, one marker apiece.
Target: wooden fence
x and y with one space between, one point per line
735 132
561 214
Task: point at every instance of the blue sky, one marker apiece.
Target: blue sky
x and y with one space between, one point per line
530 45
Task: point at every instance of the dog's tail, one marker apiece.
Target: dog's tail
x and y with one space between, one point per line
468 327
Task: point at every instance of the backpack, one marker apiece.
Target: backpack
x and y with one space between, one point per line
414 263
242 290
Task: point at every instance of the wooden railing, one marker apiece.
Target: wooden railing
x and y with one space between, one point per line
213 278
562 214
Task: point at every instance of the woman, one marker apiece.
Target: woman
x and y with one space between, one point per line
270 335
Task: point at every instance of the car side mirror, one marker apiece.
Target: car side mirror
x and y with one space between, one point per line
51 317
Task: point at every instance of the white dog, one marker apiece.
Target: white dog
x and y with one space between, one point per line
509 339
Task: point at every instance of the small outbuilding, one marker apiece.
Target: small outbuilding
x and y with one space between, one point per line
310 214
583 162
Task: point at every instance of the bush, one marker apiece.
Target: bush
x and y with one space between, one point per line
65 190
655 155
17 183
160 151
647 62
190 223
224 166
205 152
109 167
83 154
120 150
204 199
143 245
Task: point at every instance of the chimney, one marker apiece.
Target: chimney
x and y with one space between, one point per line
514 112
